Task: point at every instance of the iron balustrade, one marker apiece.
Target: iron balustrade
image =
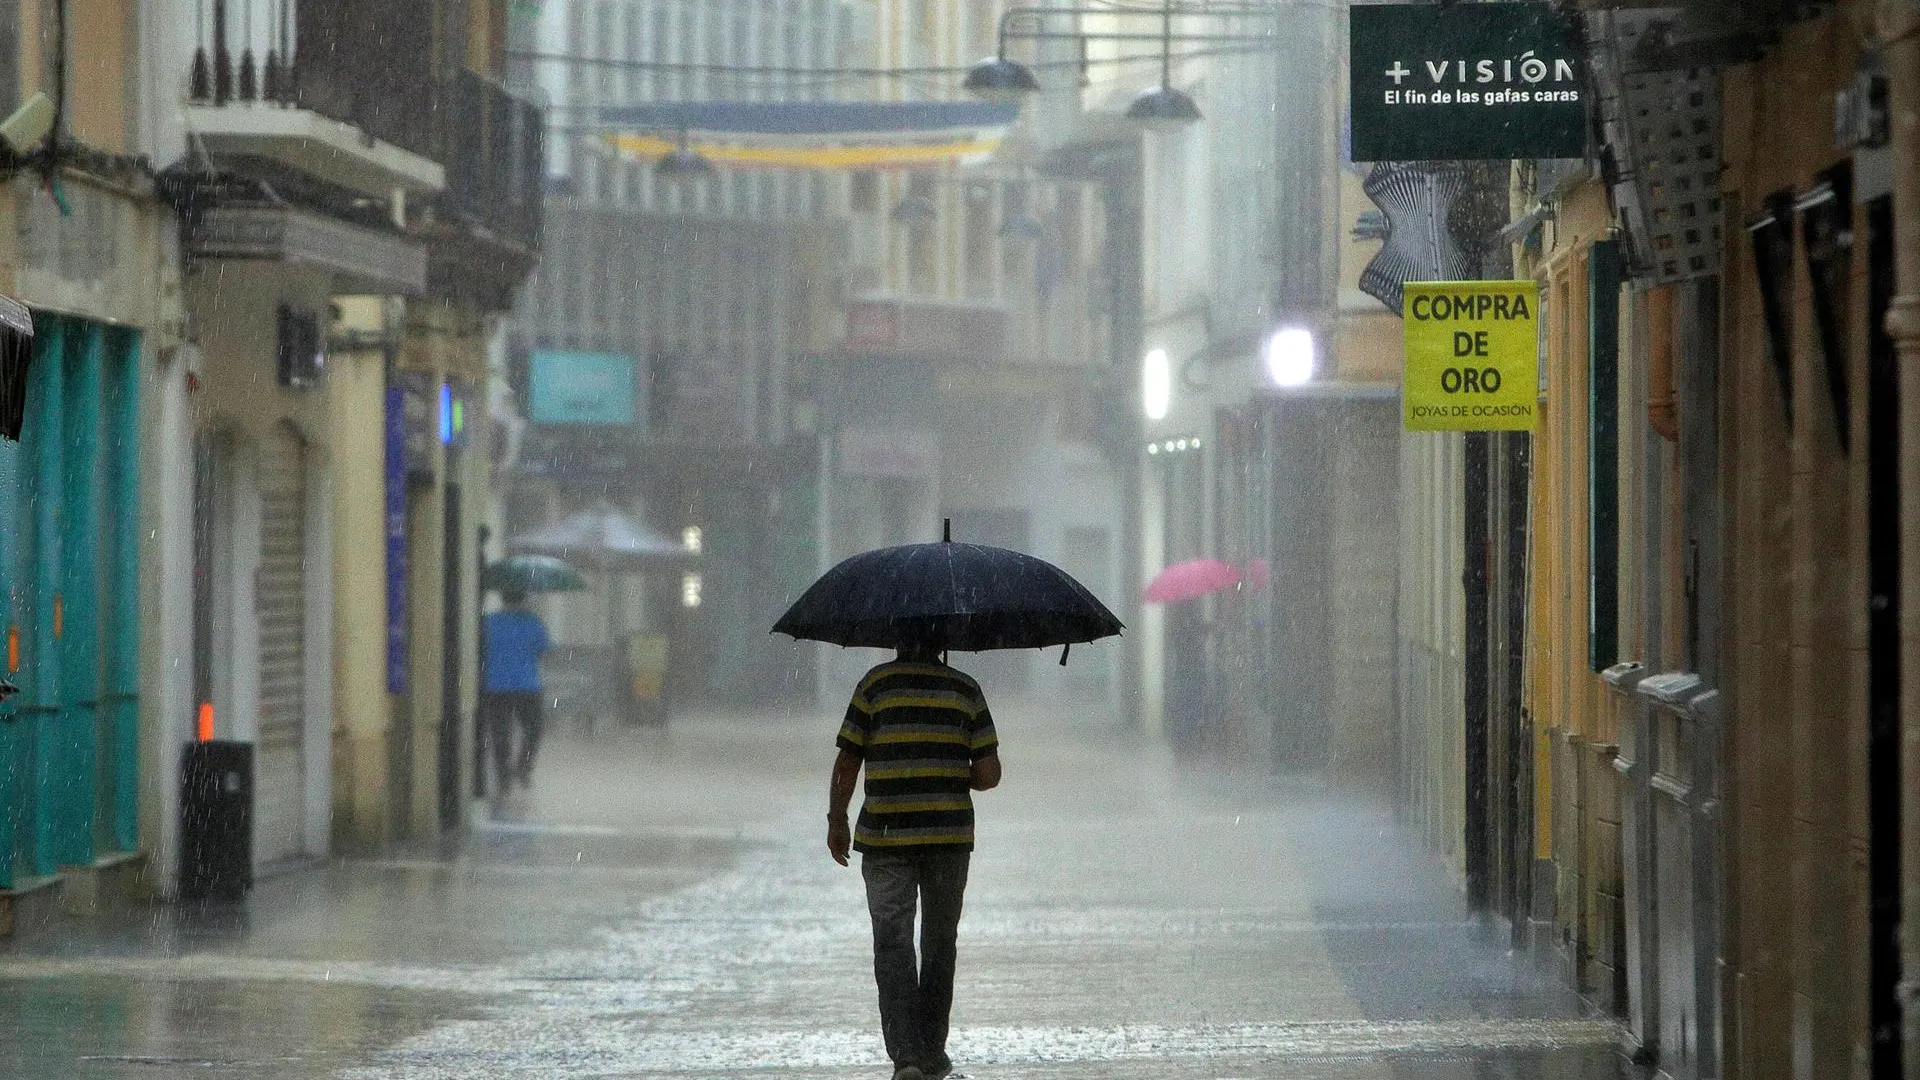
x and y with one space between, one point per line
365 63
495 160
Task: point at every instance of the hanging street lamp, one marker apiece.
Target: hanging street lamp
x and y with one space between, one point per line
683 163
1000 80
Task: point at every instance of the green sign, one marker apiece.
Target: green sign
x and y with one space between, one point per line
1461 82
581 388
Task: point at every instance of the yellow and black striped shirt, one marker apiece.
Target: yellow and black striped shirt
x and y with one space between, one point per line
918 728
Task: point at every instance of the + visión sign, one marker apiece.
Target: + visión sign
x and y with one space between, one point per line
1472 352
1493 81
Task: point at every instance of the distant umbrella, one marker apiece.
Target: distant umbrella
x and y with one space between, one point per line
532 573
1192 580
966 597
1259 574
604 538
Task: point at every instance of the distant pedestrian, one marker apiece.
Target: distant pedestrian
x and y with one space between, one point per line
925 737
515 640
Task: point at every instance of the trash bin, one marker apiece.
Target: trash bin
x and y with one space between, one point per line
216 821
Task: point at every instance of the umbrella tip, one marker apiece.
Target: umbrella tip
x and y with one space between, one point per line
946 531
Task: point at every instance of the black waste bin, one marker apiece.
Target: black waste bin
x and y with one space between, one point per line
216 821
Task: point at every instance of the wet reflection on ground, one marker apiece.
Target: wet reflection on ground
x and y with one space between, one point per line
659 906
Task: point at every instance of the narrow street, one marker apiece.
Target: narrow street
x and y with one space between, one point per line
661 905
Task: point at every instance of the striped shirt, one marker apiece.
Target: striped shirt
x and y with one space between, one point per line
919 728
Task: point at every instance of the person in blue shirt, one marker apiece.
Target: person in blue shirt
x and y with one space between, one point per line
510 690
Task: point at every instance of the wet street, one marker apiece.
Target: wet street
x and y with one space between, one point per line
661 905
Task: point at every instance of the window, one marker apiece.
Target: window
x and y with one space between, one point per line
865 192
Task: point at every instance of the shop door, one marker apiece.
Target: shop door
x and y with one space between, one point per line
280 602
68 761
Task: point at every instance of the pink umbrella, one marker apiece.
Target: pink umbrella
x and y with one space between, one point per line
1259 575
1191 580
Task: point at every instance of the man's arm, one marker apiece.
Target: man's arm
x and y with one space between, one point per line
985 774
846 773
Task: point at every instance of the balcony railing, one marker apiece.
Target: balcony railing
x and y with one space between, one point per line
368 64
363 62
495 158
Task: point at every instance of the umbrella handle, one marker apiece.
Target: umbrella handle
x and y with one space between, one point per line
1064 650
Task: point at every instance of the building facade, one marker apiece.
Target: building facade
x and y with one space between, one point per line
218 244
973 381
1702 541
89 248
704 301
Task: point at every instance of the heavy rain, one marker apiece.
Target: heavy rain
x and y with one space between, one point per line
997 539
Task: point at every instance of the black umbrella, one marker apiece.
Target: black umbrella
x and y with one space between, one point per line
967 597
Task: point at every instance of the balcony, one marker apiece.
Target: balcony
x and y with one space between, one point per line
352 105
337 105
495 154
485 228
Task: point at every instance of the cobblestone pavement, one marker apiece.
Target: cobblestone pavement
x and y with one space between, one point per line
661 905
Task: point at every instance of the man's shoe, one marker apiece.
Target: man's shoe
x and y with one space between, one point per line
937 1072
909 1072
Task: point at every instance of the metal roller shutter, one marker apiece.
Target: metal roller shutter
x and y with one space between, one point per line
280 600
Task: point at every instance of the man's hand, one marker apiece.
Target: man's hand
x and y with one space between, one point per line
839 839
985 774
846 773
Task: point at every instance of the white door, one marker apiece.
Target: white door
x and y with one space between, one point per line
280 590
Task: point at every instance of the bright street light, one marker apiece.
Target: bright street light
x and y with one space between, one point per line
1157 385
1289 358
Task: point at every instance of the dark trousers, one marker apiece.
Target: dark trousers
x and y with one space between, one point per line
503 709
915 996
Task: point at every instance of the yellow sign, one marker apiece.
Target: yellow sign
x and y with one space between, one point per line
1472 355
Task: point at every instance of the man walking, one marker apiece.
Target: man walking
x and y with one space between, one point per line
515 641
924 734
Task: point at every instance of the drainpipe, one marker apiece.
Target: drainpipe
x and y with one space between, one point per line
1900 29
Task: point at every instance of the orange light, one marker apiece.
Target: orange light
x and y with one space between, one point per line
206 721
13 649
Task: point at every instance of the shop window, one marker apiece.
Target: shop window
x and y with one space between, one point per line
1772 236
1826 226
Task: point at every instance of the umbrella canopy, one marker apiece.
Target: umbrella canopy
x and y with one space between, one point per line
1259 574
532 573
605 538
967 597
1191 580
